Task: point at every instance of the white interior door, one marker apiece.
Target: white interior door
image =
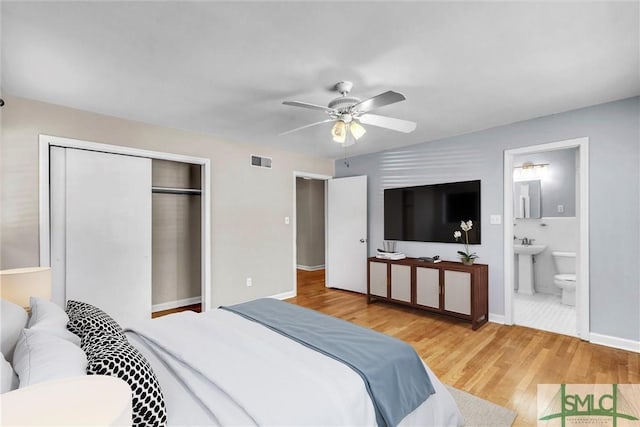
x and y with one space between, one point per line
347 234
108 233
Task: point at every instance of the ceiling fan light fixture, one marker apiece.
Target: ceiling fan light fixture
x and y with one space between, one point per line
350 113
339 132
357 130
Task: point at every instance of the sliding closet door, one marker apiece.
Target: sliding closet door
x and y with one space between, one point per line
108 232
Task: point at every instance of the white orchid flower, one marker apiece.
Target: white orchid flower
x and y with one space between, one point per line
467 257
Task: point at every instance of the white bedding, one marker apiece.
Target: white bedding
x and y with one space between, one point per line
222 369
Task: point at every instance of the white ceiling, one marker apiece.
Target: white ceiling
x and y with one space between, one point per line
224 68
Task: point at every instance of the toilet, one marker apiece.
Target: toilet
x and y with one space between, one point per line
565 278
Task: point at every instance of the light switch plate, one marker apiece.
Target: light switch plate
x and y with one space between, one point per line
496 219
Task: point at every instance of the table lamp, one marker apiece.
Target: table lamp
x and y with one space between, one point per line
19 284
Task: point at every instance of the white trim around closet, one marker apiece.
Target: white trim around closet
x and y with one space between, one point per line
46 141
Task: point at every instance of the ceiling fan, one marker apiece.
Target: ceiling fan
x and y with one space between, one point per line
349 113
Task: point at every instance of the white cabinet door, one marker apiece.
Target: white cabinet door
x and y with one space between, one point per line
401 282
108 232
457 291
378 279
428 287
346 259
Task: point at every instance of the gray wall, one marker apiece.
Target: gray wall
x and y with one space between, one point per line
310 222
557 181
614 198
248 204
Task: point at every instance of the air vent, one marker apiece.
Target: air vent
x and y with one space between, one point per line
261 162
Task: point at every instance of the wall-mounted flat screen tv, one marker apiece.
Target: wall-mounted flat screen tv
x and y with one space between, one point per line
431 213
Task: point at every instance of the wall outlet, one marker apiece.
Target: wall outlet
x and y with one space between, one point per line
496 219
249 282
560 208
286 220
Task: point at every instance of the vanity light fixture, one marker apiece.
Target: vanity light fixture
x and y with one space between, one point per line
531 165
530 171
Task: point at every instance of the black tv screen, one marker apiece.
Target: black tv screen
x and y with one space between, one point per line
431 213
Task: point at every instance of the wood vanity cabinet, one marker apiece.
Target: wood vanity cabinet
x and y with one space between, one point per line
448 288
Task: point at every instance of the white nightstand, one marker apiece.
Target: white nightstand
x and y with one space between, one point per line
91 400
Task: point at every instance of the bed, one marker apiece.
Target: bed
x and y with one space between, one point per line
220 368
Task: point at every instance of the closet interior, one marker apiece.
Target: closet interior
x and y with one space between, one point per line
176 234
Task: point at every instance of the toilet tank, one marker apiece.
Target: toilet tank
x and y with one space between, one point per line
565 262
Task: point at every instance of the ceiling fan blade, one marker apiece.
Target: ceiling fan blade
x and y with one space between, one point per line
388 122
386 98
309 106
306 126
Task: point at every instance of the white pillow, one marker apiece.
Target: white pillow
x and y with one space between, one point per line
8 378
50 317
14 320
41 356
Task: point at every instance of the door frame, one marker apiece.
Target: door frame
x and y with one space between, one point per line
582 293
46 141
325 178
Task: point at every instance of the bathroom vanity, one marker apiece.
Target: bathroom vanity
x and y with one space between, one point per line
447 288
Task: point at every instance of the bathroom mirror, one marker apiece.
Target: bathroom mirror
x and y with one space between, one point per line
526 199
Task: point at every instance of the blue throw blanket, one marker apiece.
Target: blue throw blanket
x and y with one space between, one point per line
392 372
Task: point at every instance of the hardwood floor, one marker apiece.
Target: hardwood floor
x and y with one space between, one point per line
499 363
194 307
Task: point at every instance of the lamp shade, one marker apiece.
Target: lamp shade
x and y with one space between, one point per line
18 284
90 400
339 132
357 130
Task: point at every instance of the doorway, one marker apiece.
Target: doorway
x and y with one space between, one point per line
345 205
309 229
545 235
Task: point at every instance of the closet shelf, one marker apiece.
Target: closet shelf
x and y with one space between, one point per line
171 190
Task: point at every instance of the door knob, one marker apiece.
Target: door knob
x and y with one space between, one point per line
363 240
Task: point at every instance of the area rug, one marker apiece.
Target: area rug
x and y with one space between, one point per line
479 412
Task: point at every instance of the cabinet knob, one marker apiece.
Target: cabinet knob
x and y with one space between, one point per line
363 240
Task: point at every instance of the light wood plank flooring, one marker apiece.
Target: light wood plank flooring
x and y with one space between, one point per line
193 307
499 363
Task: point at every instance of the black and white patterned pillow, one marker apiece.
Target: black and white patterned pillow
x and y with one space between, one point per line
93 342
86 319
115 357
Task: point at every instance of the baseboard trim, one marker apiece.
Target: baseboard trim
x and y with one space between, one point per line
175 304
615 342
284 295
496 318
310 267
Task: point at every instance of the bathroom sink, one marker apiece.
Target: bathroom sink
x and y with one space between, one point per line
528 249
525 266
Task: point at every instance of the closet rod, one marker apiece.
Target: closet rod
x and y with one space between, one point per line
170 190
